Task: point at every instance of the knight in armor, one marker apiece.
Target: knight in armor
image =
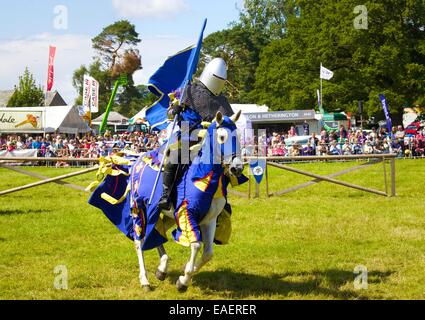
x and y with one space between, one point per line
202 101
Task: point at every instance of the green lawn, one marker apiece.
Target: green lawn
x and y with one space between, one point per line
304 245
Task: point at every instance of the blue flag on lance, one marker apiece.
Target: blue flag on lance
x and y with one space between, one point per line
258 168
387 114
174 74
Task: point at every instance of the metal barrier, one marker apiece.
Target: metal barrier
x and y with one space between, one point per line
271 161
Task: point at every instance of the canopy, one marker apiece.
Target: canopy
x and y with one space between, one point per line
338 116
141 116
244 126
249 108
114 117
62 119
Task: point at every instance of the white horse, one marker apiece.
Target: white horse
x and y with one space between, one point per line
200 197
208 229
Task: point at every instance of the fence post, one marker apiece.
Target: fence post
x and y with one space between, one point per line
249 185
393 191
384 161
257 189
267 180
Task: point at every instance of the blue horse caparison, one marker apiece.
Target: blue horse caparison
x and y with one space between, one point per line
201 194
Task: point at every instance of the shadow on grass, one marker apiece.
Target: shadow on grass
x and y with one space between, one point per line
328 283
7 212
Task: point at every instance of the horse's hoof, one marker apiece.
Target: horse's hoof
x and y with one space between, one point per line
147 288
181 287
160 275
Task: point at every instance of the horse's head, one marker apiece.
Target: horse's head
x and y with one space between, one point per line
224 143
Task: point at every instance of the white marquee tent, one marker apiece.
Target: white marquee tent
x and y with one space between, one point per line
63 119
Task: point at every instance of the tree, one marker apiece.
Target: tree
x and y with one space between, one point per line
388 57
138 98
117 52
267 17
240 48
114 41
240 45
26 94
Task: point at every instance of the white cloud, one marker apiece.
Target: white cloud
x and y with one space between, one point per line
33 52
73 51
149 8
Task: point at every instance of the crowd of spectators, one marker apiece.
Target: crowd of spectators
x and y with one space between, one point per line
88 146
337 142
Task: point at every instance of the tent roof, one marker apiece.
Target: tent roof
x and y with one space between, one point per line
5 96
54 99
334 116
66 119
249 108
114 117
138 116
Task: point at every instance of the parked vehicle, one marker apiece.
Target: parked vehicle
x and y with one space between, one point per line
136 128
412 128
301 140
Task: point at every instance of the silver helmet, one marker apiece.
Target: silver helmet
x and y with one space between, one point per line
214 76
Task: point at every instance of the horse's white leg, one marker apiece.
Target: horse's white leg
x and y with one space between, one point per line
162 270
143 276
208 233
161 273
208 229
184 281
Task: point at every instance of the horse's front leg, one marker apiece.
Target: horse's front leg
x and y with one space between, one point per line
143 275
208 233
138 243
184 281
208 229
161 272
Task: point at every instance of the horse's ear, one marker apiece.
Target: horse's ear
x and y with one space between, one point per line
219 118
236 116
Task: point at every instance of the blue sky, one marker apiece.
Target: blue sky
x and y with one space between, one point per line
20 18
27 28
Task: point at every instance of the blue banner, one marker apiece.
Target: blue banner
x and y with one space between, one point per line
386 112
174 74
258 169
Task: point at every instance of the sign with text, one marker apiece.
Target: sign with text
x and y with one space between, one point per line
17 121
281 116
90 95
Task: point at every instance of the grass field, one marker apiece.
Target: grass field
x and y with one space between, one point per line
304 245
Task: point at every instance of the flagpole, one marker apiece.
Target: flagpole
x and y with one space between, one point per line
188 79
321 87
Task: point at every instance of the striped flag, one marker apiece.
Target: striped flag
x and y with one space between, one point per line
50 72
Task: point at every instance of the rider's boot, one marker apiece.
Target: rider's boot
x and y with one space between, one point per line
168 177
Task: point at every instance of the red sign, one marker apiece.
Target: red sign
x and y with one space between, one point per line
50 74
